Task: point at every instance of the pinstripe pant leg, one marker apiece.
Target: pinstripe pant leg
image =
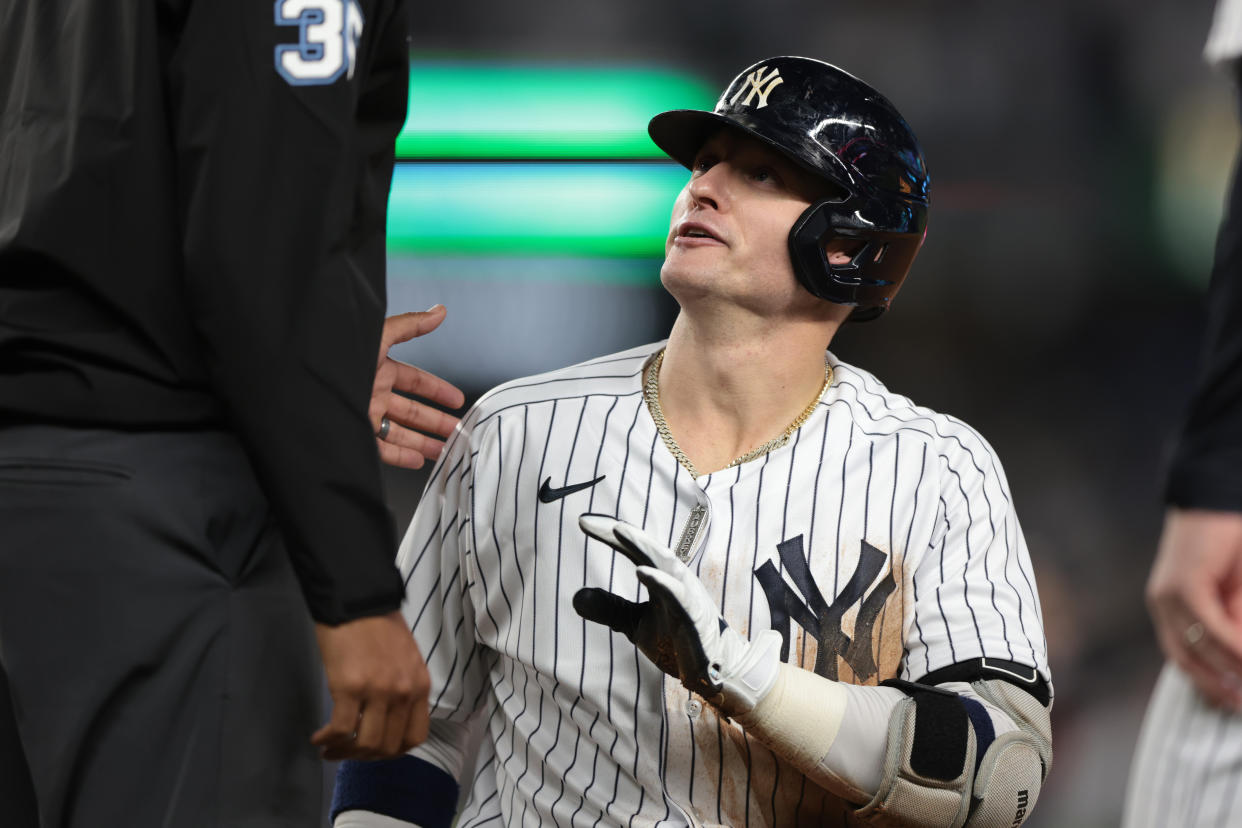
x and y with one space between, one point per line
1187 768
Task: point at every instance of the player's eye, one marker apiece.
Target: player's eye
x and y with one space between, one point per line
766 176
703 162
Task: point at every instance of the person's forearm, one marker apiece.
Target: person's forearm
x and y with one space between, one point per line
835 733
805 716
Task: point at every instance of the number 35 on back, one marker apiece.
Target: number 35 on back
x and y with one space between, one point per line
327 47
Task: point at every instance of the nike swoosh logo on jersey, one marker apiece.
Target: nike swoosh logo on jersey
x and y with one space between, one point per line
547 494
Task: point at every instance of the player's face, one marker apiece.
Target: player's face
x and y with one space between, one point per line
730 226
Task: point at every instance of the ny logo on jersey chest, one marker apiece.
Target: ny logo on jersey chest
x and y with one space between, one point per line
804 604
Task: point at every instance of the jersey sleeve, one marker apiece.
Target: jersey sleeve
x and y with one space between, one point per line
974 586
435 561
421 787
284 116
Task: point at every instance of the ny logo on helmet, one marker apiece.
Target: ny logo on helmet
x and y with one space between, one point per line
759 85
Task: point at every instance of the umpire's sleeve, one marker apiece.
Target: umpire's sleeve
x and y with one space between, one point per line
1206 472
284 115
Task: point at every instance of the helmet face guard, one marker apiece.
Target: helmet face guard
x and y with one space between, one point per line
839 130
874 273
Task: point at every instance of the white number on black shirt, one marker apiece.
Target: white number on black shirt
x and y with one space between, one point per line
327 47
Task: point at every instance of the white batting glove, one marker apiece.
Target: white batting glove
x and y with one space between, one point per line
680 629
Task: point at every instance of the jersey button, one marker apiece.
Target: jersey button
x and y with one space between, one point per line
693 708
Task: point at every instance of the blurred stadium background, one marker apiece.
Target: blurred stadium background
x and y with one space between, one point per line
1079 153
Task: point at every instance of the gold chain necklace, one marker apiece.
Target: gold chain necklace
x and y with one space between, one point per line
651 393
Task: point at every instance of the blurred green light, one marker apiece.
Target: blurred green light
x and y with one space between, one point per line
538 271
474 111
537 208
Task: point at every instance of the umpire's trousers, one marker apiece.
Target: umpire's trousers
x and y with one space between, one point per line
160 663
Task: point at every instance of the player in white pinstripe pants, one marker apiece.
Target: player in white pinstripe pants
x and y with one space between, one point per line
772 532
1187 769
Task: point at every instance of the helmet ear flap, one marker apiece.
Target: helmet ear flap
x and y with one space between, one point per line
808 237
808 241
870 279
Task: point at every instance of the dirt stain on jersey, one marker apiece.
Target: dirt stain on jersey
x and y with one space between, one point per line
886 644
756 786
884 630
889 640
805 650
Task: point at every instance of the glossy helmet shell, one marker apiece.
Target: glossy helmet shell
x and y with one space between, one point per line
840 130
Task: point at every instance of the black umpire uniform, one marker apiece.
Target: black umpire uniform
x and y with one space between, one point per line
193 197
1206 472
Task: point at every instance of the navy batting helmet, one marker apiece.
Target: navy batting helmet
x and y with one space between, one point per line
840 130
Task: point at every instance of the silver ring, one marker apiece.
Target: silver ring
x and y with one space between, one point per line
1194 633
385 424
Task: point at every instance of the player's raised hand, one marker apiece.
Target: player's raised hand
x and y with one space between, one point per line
401 424
1194 594
680 629
379 686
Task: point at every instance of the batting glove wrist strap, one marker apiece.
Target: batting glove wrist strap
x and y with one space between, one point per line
755 666
680 628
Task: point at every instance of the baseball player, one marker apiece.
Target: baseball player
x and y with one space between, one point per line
1188 764
730 579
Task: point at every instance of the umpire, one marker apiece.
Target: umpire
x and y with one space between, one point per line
192 215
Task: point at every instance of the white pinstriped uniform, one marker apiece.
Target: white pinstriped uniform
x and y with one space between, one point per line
1187 767
583 730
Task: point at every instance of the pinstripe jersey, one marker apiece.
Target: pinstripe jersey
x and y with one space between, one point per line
880 542
1187 762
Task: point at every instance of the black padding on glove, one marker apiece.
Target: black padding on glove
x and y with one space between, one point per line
941 730
659 628
602 607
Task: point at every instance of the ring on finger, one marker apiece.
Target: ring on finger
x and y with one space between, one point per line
385 424
1194 633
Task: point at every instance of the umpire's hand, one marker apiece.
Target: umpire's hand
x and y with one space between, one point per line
379 686
398 417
